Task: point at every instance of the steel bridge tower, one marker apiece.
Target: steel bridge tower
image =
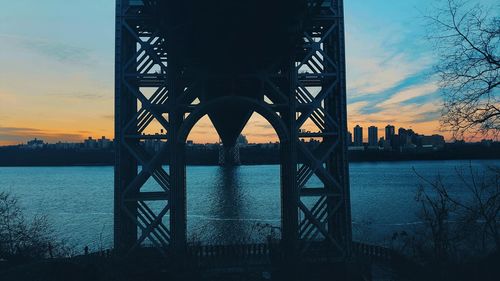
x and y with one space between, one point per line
303 97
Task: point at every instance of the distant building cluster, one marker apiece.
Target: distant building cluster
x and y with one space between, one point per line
378 145
150 143
102 143
89 143
403 140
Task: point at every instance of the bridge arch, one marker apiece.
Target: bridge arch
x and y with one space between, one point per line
265 111
257 106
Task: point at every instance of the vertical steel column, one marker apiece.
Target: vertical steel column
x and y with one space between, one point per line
340 224
178 215
140 81
288 154
125 229
321 97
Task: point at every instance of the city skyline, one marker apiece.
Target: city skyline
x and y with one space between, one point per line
69 57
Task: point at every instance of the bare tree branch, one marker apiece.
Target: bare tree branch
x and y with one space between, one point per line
467 39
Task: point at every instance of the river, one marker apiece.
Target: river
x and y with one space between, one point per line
226 205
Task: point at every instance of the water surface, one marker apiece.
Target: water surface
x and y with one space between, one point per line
225 205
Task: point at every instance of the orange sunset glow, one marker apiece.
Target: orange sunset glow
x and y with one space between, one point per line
59 86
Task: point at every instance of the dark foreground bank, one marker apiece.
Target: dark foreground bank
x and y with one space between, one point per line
147 266
98 267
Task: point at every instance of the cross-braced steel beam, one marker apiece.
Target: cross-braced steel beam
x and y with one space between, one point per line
302 95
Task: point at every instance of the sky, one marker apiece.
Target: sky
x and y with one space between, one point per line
57 80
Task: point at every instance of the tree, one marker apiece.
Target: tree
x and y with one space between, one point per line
435 213
467 39
454 224
23 240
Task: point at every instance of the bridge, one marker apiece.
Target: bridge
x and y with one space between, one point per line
177 61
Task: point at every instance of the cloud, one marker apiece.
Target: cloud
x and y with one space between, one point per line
58 51
377 60
357 107
260 124
421 117
203 124
389 79
428 116
80 95
21 134
376 75
9 130
263 134
410 93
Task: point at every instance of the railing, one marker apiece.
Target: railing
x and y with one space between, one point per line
248 250
372 251
264 252
235 250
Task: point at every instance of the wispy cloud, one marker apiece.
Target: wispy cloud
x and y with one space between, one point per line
260 124
81 95
428 116
410 115
58 51
377 60
17 134
379 74
410 93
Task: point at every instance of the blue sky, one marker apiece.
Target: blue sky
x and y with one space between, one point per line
56 68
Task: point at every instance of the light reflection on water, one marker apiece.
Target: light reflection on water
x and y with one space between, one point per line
224 204
230 207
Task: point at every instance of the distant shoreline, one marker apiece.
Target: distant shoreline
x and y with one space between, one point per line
244 164
19 157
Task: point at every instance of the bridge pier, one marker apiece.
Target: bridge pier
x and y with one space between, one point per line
229 156
302 95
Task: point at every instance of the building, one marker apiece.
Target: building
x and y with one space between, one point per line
349 138
90 143
154 145
372 136
358 136
66 145
390 131
434 141
403 137
104 143
35 143
242 140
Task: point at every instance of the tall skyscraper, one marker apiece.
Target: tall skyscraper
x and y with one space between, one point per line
390 131
372 136
349 138
358 136
403 136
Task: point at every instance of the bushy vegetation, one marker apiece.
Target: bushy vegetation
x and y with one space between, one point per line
24 240
460 231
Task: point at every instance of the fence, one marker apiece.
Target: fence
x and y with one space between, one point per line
266 251
236 250
372 251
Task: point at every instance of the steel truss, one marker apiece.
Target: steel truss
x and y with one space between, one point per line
305 97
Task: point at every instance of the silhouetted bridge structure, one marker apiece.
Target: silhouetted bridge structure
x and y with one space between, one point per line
177 61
